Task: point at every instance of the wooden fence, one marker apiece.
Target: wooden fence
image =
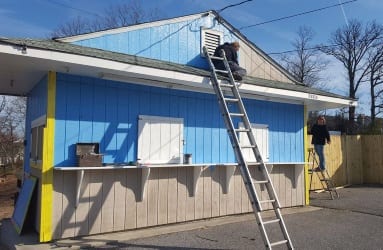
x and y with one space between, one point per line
353 160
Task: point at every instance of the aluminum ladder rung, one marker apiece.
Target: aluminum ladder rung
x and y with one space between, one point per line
271 221
221 71
226 85
248 146
236 114
242 130
217 58
231 99
261 182
277 243
267 201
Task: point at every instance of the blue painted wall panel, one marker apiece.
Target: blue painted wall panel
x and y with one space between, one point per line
178 42
94 110
36 107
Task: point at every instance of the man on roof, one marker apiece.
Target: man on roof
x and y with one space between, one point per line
231 50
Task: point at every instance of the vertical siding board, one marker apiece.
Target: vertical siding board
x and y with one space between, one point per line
95 202
199 128
58 204
199 197
191 128
215 191
99 110
144 43
108 199
165 42
181 194
110 138
86 114
72 121
60 125
142 205
216 120
190 209
152 197
207 131
123 126
237 187
163 193
133 97
174 43
133 190
172 195
120 189
82 210
155 41
68 218
226 205
207 195
183 43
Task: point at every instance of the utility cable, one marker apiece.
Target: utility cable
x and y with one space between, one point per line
298 14
73 8
233 5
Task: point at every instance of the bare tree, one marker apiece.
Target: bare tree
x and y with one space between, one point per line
374 77
305 65
351 45
114 16
12 119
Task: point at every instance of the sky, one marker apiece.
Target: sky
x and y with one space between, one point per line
38 18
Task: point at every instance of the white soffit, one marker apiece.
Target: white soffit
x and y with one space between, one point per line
21 71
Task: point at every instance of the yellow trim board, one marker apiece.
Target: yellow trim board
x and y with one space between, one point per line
47 164
305 148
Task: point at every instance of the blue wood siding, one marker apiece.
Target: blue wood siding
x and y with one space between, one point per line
178 42
36 107
95 110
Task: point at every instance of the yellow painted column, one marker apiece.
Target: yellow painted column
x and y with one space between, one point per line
305 148
47 164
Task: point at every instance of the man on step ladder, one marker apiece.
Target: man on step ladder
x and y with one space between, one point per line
320 136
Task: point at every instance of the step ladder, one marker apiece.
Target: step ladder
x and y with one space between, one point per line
323 176
233 110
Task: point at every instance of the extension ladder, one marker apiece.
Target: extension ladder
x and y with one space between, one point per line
323 176
232 109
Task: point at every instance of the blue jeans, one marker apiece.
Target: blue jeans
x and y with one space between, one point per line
319 150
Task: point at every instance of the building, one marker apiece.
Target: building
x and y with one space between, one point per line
142 93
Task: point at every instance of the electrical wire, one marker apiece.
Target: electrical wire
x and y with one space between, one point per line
233 5
73 8
298 14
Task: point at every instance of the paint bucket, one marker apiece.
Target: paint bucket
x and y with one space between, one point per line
187 158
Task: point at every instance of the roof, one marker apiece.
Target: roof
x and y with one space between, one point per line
41 56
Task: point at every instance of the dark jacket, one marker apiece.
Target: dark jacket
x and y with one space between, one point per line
230 52
320 134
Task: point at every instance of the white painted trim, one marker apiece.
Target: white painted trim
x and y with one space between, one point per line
41 121
130 28
124 72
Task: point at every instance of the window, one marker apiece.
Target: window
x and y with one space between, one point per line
211 39
160 140
261 135
37 136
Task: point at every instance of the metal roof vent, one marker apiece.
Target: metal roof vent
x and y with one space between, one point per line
211 39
